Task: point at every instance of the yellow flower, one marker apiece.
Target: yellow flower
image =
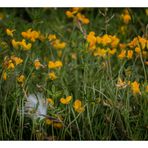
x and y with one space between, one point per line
66 100
126 18
99 39
52 37
51 64
91 39
10 65
56 64
142 41
15 44
76 9
9 32
52 75
57 125
57 44
21 79
106 39
34 35
50 101
133 43
100 52
137 50
25 45
78 106
115 41
129 54
17 60
72 12
24 34
69 14
31 34
135 87
82 18
122 54
4 75
37 64
48 122
112 51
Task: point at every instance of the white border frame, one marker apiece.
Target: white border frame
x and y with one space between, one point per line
73 3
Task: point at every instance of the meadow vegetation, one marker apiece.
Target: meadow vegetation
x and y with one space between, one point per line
73 74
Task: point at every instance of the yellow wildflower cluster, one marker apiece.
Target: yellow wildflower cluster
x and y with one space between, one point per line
22 44
136 46
108 45
100 52
55 124
56 43
101 45
31 34
139 42
72 12
10 63
105 40
75 14
66 100
17 60
56 64
123 53
109 40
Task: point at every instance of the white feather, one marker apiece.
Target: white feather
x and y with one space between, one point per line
36 106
